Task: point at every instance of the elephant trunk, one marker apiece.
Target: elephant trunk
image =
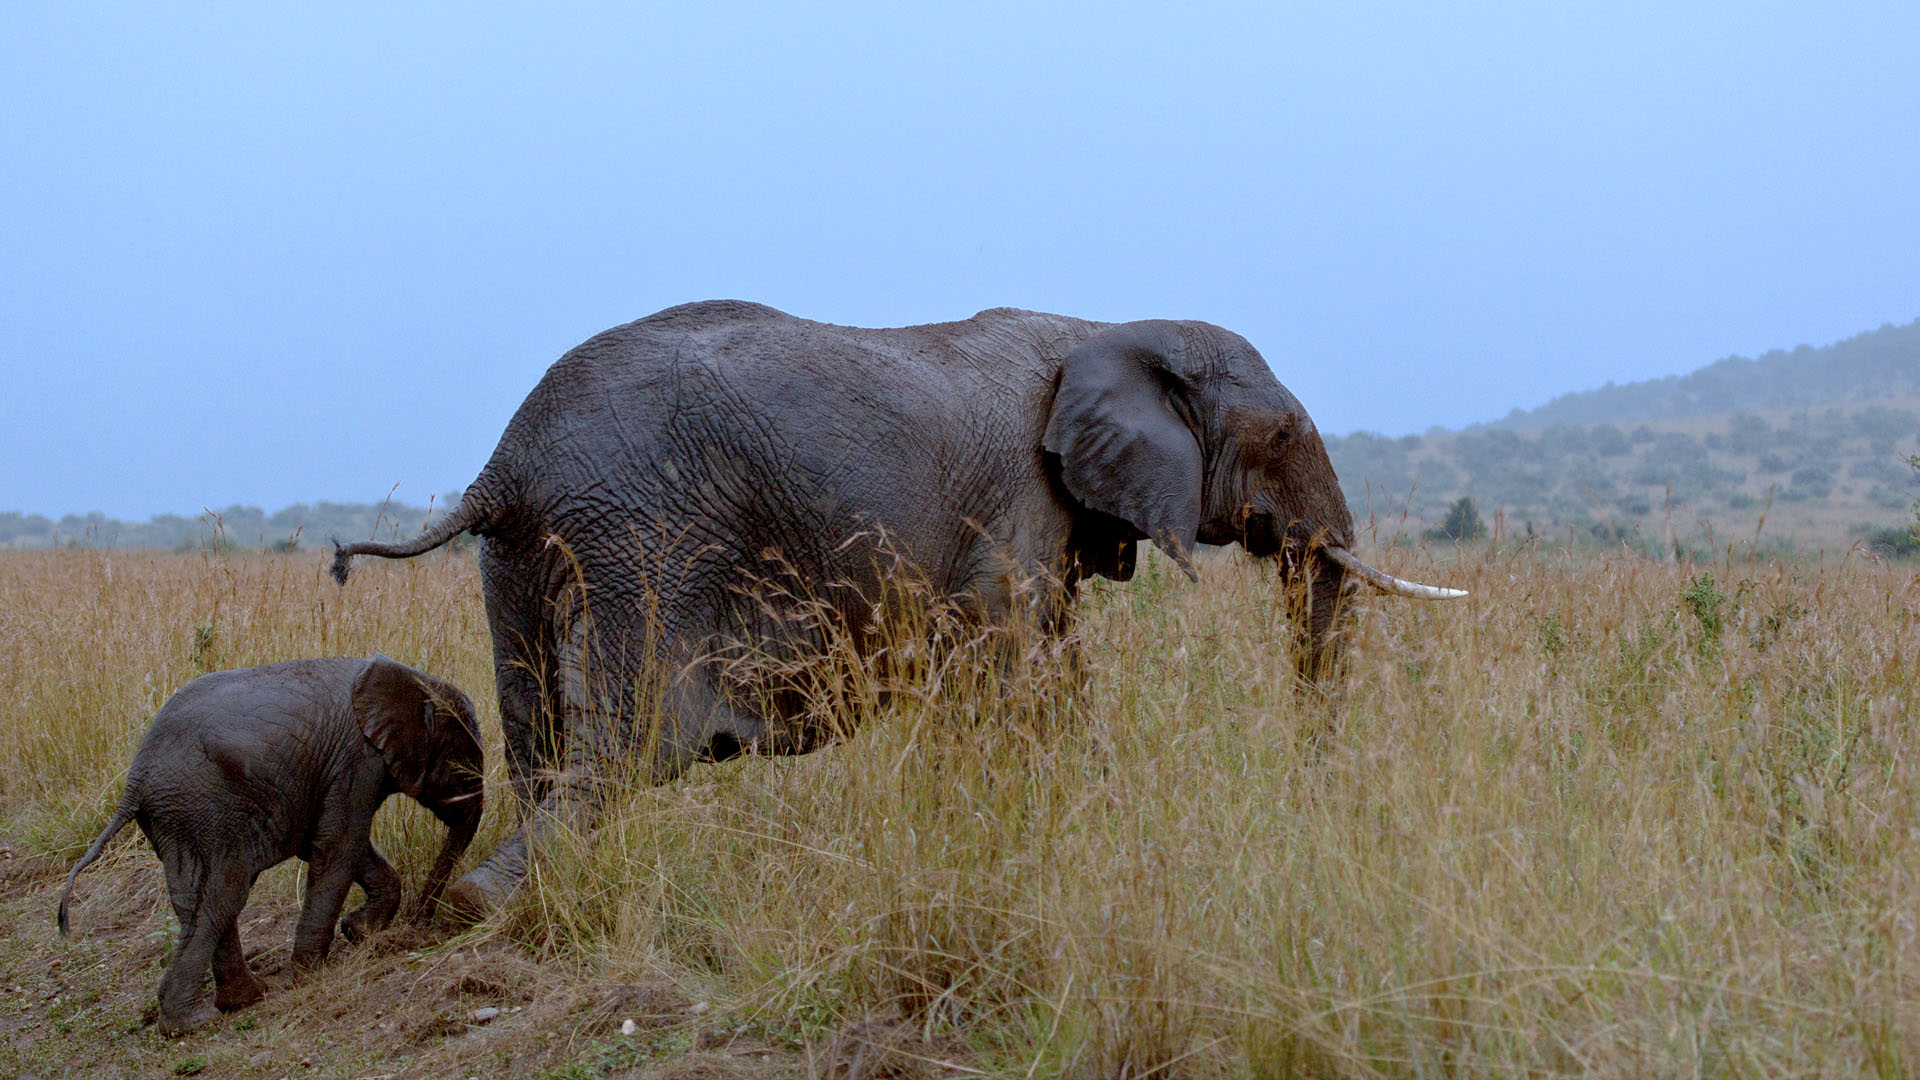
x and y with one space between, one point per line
1321 600
1334 571
460 833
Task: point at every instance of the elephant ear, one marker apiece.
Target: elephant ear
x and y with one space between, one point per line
1124 448
395 707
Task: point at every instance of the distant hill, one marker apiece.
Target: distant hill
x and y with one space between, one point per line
1873 366
1816 477
297 526
1807 448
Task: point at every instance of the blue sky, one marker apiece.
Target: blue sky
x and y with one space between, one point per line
301 253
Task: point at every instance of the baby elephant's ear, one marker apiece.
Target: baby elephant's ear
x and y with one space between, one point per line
394 705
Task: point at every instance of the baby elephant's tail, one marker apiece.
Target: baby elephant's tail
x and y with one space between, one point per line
472 513
120 819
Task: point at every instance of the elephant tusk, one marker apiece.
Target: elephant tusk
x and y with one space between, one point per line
1387 582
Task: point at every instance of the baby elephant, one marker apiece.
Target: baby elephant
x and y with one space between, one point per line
244 769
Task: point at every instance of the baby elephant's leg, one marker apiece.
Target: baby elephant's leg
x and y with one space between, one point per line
234 985
382 884
328 879
205 913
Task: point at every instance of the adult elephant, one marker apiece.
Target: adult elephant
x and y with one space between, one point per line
661 465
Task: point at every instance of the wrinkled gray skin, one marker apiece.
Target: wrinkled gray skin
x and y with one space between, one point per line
670 456
244 769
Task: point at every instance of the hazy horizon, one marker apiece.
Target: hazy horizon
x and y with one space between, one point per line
287 256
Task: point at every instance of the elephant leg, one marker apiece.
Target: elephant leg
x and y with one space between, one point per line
607 728
382 885
523 673
207 901
527 724
568 803
329 876
234 984
537 733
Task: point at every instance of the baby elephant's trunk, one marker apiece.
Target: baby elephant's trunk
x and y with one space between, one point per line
461 827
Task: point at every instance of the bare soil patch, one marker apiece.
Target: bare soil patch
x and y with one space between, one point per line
412 1002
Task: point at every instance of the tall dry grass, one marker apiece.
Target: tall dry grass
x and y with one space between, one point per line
98 640
1606 817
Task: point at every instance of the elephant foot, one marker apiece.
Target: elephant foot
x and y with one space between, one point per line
236 994
360 925
486 888
304 963
468 901
198 1015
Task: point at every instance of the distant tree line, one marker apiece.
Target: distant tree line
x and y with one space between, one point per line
298 526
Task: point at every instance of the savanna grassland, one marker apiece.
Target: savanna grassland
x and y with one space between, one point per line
1609 816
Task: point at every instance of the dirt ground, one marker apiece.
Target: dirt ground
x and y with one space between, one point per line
407 1003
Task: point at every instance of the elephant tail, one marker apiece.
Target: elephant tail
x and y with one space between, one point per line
473 513
120 818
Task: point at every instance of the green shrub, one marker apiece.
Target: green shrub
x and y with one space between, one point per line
1890 541
1461 523
1703 598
